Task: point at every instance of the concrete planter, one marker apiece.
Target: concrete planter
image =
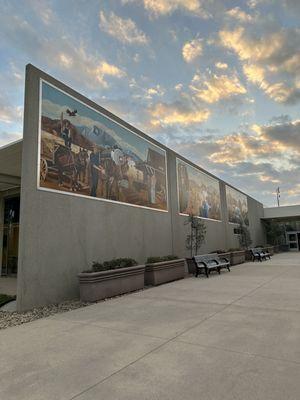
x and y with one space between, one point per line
226 255
163 272
100 285
269 249
248 255
237 257
276 248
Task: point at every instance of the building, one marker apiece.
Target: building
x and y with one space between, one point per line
83 185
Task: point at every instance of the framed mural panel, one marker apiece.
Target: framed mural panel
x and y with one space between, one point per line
198 193
237 206
83 152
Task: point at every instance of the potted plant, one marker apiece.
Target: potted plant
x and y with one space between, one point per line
111 278
194 239
163 269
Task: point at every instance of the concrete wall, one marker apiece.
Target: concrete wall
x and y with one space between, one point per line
60 235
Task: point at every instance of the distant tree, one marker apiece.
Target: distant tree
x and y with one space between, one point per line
197 233
244 236
275 232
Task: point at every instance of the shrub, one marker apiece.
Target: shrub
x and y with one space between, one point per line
218 251
234 249
112 264
152 260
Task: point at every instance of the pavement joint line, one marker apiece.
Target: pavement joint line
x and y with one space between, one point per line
238 352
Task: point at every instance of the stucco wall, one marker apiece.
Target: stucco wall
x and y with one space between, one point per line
60 235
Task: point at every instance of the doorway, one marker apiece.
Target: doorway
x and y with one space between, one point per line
10 236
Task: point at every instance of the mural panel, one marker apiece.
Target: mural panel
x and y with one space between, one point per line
237 206
83 152
198 193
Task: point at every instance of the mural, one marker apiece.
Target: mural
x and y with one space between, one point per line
84 152
237 206
199 194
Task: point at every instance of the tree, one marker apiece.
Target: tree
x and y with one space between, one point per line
244 236
275 232
196 235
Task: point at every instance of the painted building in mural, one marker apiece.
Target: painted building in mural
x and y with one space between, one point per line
94 188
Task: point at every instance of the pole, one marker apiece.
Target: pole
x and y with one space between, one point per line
278 196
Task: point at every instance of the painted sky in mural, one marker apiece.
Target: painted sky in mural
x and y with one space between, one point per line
199 193
237 206
84 152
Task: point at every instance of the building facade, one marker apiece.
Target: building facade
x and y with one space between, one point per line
95 188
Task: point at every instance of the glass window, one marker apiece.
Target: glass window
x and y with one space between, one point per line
292 237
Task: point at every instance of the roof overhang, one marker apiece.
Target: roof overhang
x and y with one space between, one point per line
282 213
10 166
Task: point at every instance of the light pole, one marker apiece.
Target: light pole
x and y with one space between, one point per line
278 196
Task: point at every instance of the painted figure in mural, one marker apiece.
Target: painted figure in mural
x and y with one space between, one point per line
95 168
206 207
81 163
66 134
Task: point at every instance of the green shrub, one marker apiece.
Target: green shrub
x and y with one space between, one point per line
5 298
112 264
152 260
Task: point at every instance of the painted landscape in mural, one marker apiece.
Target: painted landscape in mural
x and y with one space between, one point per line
199 194
237 206
84 152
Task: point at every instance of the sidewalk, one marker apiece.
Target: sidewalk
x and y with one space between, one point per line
230 337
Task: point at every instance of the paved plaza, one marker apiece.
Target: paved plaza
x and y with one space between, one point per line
230 337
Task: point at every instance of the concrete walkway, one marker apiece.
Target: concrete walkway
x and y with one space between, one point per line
229 337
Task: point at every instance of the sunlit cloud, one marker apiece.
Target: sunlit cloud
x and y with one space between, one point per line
164 7
124 30
221 65
240 15
163 114
192 50
217 87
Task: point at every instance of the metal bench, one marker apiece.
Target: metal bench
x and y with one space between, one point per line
259 254
210 262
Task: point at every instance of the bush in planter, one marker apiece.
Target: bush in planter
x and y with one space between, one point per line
111 278
153 260
115 263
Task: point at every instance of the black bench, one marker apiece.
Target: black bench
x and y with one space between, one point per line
259 254
210 262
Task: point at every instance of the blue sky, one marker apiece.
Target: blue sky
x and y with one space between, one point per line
217 81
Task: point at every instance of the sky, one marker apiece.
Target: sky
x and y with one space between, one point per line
217 81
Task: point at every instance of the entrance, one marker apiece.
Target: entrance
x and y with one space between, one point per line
293 240
10 236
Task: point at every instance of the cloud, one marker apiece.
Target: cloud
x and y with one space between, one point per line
8 137
216 87
10 114
192 50
164 7
124 30
221 65
239 15
277 91
169 114
256 161
271 60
